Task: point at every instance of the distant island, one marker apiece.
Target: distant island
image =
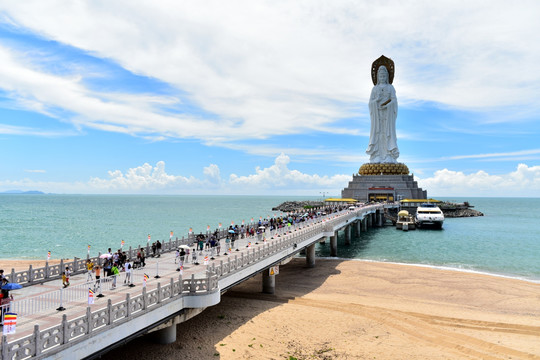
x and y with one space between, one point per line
31 192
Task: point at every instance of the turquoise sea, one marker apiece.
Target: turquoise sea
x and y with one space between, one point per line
506 241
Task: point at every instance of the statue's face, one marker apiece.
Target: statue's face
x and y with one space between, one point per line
382 75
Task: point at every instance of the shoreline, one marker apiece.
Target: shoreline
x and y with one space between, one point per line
23 264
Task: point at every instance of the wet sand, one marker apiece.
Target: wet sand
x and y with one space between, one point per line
361 310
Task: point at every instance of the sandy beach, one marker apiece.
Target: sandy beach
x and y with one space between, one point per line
20 265
361 310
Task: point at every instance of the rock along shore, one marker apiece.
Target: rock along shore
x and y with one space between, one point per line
288 206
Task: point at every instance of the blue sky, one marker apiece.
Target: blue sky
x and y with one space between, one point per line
264 97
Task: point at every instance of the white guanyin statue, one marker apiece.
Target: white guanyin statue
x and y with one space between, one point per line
383 108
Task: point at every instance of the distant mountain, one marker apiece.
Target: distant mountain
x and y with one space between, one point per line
31 192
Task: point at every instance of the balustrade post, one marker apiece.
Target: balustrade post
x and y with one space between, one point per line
181 285
130 256
235 262
65 330
109 311
128 307
88 320
172 288
192 284
242 257
13 279
37 340
30 274
4 347
46 270
145 300
75 265
62 267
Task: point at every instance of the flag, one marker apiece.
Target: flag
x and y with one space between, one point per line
171 235
122 243
252 220
48 255
232 223
220 225
207 227
230 250
206 260
145 278
10 321
148 237
190 230
249 244
89 248
181 269
90 296
242 222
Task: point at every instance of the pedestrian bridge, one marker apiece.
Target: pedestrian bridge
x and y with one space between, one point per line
169 297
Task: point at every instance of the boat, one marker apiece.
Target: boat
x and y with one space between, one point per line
405 221
429 215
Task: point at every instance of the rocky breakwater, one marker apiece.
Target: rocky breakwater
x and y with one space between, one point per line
456 210
289 206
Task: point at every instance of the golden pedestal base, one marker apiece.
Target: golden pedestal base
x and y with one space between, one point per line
383 169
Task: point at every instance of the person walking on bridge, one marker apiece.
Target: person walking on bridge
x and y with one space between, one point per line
115 274
97 284
90 269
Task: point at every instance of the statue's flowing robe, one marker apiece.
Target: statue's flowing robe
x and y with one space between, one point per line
382 139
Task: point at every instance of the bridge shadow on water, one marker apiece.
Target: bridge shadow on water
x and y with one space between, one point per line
202 337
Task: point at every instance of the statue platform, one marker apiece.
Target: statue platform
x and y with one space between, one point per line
389 185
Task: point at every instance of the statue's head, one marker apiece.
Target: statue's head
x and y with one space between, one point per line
382 75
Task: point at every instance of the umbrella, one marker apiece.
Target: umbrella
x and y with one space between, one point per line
262 227
11 286
231 231
184 247
105 256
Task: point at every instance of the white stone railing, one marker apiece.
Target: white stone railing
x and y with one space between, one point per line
40 275
51 340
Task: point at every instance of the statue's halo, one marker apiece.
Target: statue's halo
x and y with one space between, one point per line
388 63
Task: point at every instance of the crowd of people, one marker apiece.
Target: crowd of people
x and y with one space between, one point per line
116 262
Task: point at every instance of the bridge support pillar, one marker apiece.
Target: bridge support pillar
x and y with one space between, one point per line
166 335
363 224
348 235
268 282
358 227
333 244
310 256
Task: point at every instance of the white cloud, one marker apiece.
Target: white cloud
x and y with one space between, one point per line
146 179
274 68
524 181
279 179
143 179
39 171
